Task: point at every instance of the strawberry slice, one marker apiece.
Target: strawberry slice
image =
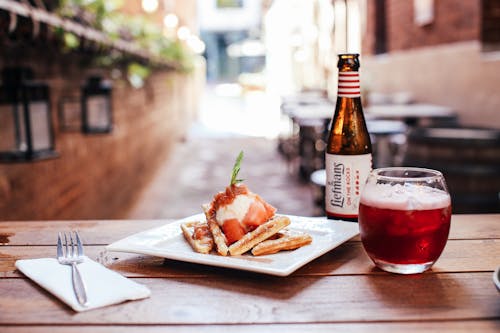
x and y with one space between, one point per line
258 213
233 230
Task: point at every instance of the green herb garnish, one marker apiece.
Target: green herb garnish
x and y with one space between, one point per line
236 170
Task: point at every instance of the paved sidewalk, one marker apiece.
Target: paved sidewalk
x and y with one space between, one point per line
228 121
201 166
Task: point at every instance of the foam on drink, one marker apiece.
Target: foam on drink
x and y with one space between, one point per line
404 197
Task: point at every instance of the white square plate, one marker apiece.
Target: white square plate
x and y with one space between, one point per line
168 242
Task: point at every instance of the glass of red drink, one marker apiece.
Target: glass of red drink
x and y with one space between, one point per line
404 218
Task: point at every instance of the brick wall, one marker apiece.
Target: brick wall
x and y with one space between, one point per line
443 62
454 21
99 176
458 75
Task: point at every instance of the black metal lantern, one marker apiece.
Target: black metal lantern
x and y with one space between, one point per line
26 131
96 106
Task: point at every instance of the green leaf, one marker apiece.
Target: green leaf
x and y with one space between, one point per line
106 16
71 41
236 170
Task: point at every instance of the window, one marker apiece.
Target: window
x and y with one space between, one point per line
490 25
380 27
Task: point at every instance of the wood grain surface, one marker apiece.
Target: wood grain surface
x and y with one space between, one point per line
340 291
248 299
349 258
104 232
388 327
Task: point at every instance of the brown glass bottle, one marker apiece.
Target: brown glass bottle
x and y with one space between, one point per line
348 158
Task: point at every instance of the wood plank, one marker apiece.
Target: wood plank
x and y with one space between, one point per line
107 231
251 299
483 326
475 226
103 232
349 258
100 232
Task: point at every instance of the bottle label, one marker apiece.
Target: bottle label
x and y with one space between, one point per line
345 178
348 84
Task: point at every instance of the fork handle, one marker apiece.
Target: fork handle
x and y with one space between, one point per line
78 285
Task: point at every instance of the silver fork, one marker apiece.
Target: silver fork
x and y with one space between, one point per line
71 253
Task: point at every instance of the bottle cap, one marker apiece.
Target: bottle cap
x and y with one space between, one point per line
350 60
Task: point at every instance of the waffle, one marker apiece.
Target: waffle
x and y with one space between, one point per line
283 240
204 244
265 239
217 234
261 233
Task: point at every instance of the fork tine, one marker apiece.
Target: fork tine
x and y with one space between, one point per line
79 244
65 245
73 254
59 246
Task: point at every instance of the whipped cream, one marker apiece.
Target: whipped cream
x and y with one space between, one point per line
235 210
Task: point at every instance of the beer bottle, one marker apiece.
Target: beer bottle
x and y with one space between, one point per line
348 159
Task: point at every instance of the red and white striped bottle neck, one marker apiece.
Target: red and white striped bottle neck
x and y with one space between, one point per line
348 85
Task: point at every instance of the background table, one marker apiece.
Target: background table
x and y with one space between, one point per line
341 290
414 114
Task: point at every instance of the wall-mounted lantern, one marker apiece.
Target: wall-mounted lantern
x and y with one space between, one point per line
96 106
26 131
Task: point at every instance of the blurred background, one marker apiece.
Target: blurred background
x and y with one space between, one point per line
137 109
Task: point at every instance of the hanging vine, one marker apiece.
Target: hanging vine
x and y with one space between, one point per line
106 17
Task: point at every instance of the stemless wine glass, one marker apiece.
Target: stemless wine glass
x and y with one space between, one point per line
404 218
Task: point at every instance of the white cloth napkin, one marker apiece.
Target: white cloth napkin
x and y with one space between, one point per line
104 286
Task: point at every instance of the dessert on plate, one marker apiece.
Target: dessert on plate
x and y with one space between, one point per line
239 220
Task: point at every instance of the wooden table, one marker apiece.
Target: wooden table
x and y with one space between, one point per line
340 291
